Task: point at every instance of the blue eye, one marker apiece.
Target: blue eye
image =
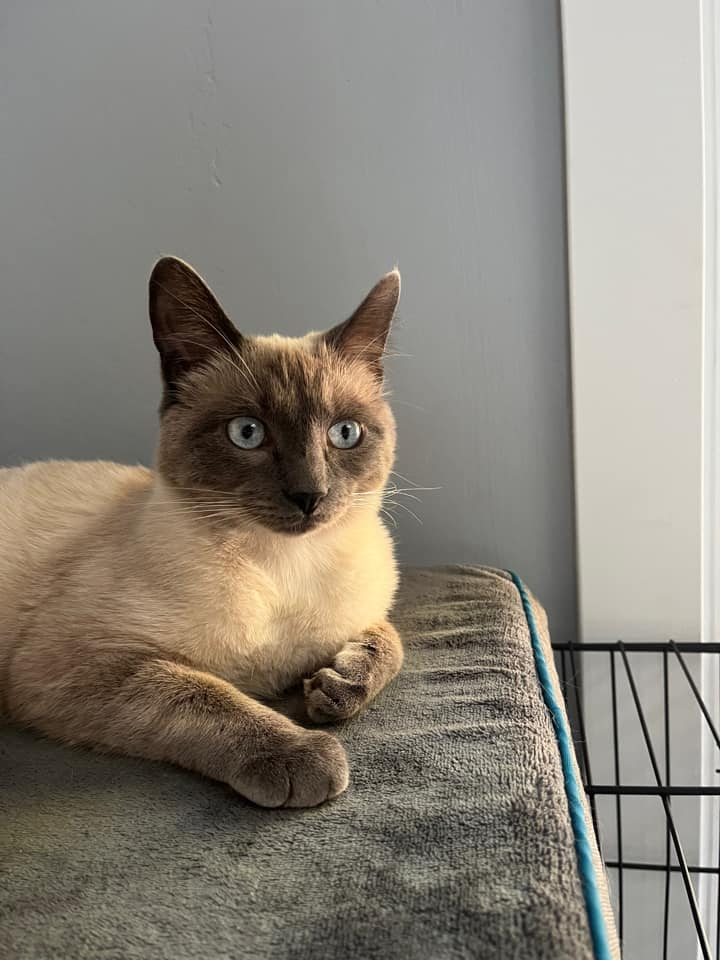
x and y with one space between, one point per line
246 432
345 434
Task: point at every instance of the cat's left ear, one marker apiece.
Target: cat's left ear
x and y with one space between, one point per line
363 336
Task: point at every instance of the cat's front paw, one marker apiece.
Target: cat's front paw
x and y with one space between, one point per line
341 690
302 769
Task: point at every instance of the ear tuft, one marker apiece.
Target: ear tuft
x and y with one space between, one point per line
364 334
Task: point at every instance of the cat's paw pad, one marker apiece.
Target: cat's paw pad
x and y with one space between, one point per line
330 697
301 770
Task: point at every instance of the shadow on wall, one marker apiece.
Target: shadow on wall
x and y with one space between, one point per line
294 153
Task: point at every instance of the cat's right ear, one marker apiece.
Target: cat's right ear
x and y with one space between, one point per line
189 325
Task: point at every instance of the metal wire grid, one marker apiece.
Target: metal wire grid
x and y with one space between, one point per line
570 657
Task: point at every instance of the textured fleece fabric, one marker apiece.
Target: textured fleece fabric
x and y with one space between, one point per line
453 840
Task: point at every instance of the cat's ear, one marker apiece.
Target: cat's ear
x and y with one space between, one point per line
189 325
363 336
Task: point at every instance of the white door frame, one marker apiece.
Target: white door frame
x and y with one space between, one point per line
710 680
642 95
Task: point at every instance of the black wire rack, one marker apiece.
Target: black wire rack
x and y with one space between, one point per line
639 717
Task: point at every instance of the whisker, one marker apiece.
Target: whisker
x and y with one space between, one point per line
195 511
383 333
201 517
215 352
413 489
404 493
244 362
194 500
406 479
220 493
189 506
407 510
389 516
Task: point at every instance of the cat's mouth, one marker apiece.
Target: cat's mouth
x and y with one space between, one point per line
300 525
296 524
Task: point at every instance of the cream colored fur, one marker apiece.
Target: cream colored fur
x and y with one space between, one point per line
144 615
256 608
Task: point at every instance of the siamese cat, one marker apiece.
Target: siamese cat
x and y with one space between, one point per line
159 613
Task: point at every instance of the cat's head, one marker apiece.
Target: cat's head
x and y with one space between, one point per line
290 434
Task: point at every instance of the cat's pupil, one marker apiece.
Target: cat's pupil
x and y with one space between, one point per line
248 430
345 431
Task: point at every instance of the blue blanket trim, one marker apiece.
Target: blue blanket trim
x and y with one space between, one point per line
583 848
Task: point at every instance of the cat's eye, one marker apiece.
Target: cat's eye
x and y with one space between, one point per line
246 432
345 434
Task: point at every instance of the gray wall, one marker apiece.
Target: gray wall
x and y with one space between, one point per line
294 152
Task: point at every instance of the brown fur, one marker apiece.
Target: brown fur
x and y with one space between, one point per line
150 612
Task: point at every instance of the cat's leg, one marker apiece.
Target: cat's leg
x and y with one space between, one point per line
163 710
357 674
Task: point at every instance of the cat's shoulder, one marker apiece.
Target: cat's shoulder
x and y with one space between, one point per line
67 471
57 483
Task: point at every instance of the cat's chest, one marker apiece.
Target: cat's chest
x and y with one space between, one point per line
281 615
283 624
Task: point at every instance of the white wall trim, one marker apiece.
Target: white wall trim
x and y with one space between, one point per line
708 890
645 453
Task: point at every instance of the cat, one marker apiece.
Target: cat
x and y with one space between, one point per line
160 613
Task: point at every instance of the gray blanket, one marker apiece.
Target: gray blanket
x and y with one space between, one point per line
453 840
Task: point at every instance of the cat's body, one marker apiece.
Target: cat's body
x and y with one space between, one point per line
103 544
143 611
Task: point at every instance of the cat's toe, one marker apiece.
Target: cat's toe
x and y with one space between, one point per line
307 770
330 697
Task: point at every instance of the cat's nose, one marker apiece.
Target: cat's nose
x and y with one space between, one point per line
306 501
